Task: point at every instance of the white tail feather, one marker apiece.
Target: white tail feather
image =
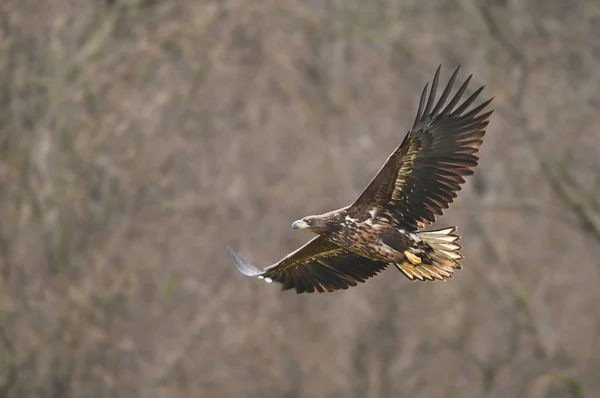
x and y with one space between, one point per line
439 262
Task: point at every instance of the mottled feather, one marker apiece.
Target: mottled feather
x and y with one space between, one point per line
420 179
318 266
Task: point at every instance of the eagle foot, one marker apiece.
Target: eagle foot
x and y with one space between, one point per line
413 258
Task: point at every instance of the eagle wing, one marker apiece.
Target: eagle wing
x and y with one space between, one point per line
422 176
319 266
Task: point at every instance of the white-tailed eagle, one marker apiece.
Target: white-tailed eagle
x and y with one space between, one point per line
382 227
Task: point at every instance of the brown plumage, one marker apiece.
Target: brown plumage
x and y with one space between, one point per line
417 182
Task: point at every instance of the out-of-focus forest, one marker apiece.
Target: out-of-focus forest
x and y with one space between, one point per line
138 138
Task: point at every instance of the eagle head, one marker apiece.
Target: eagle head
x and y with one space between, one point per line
317 224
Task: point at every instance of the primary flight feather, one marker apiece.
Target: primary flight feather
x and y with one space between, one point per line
417 182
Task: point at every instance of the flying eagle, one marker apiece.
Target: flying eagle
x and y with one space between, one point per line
382 227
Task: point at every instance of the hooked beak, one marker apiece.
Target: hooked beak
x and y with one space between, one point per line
299 224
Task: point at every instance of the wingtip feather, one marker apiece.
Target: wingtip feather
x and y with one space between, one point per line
242 265
446 92
432 93
421 105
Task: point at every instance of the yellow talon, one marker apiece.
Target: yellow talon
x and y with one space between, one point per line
414 259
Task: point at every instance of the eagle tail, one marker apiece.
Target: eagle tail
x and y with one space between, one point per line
438 261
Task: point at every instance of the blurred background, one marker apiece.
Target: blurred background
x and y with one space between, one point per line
139 137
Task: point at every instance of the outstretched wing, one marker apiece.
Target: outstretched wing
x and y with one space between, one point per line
422 176
318 266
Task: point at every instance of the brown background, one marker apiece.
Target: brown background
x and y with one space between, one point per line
138 138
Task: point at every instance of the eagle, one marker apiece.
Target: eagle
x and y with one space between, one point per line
384 225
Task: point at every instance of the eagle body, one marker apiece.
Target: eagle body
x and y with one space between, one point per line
384 225
374 236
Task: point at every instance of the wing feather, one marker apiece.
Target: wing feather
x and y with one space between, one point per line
422 176
318 266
